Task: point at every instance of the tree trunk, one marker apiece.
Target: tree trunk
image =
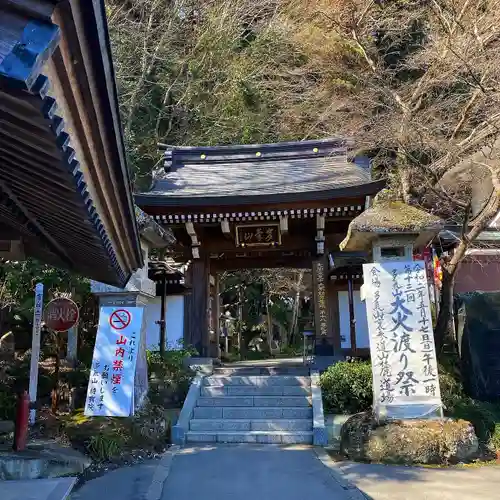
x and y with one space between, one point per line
445 307
450 268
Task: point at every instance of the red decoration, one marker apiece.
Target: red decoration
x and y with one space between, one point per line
22 416
117 364
61 314
120 352
120 319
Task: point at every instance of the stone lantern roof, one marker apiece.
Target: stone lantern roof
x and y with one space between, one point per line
390 218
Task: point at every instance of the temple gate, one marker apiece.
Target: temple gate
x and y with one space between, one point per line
266 206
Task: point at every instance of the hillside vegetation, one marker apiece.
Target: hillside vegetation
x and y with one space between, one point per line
414 83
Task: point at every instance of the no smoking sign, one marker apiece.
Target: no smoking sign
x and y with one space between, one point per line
120 319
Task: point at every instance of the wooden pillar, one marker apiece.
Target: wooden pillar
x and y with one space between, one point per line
352 320
199 305
163 315
217 314
334 314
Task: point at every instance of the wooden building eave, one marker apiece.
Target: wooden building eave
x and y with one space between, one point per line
155 201
65 187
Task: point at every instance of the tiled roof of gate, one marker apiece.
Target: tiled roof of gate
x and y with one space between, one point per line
243 174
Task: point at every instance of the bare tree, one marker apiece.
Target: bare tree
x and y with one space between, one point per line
425 102
416 84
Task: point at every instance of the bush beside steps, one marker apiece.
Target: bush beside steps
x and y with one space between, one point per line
408 441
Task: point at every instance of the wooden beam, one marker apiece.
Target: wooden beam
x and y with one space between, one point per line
226 229
260 263
195 243
320 234
284 224
289 243
368 202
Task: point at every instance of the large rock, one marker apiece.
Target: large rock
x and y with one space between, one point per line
408 441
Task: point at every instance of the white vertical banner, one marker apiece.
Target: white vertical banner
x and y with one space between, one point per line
112 378
35 350
405 375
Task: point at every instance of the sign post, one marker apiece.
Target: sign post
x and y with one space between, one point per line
35 350
405 376
61 314
112 383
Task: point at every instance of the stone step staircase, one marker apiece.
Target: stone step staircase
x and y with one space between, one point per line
253 406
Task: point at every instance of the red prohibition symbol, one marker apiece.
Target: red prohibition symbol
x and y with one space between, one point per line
120 319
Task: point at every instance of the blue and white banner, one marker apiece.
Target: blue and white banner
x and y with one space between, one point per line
112 377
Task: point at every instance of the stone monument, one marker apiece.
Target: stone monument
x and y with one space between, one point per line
396 291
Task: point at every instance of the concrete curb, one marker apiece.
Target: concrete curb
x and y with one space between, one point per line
180 429
320 434
162 471
352 491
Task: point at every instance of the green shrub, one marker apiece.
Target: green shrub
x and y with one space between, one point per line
104 446
494 442
451 389
8 403
347 387
483 416
170 378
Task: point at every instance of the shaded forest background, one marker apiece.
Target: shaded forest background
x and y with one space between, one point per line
415 83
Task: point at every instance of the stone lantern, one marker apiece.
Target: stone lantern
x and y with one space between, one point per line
398 308
391 231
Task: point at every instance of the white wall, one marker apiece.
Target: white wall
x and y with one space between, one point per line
362 338
175 321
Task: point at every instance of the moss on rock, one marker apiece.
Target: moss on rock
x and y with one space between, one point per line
408 441
388 217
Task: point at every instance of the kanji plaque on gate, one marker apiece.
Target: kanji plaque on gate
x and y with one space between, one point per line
61 314
258 235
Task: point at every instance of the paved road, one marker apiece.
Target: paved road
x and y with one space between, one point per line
266 472
382 482
126 483
225 472
250 472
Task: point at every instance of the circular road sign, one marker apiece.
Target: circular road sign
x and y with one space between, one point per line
120 319
61 314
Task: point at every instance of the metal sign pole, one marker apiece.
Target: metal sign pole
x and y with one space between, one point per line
35 350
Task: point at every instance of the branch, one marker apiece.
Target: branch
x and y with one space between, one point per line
481 222
465 111
451 29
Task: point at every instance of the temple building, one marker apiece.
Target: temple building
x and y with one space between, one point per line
266 206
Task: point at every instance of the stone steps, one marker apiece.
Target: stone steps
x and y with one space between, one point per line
256 381
250 425
250 406
246 401
249 390
297 371
252 413
264 437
